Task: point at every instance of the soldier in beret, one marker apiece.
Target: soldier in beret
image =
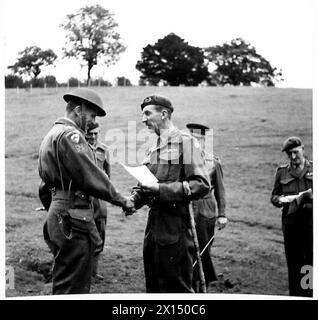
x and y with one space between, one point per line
100 209
293 193
177 163
205 213
68 169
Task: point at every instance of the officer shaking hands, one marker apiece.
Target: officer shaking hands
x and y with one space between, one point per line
292 192
177 163
68 169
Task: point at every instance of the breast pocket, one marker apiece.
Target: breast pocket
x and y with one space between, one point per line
289 186
169 165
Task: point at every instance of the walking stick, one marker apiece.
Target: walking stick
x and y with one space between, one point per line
197 248
201 253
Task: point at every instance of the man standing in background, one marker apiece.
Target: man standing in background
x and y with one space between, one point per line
100 208
293 193
205 213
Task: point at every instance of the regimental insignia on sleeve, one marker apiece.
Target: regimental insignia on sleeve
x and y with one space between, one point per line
75 138
79 147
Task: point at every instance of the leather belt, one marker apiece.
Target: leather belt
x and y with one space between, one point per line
169 205
62 194
77 198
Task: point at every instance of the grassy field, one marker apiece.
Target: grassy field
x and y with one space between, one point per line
249 126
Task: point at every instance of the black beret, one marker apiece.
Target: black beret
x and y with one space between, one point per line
157 101
197 128
290 143
92 126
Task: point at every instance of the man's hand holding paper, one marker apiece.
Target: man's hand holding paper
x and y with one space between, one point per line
299 197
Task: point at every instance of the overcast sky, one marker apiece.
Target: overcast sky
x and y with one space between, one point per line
280 30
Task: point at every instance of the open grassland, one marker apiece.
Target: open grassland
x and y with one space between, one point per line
249 126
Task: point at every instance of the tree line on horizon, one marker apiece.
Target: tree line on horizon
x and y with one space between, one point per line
92 37
50 81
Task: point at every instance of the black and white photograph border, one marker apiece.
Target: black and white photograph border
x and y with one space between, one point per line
249 125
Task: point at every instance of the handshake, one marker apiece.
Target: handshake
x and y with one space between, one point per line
129 207
148 188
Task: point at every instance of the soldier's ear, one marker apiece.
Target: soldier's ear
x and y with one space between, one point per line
78 110
164 114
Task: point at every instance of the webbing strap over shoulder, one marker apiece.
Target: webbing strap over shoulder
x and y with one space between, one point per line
60 219
58 159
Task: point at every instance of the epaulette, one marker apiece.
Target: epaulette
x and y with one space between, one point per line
186 134
282 166
69 128
188 137
310 164
211 157
208 156
216 158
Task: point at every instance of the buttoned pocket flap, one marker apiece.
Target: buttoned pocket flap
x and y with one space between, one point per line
85 215
167 239
287 180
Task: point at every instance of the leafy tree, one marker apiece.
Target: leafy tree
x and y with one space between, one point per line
13 81
92 37
141 82
173 61
123 82
36 82
238 63
31 59
50 81
100 82
73 82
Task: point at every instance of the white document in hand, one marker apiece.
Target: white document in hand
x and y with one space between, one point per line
289 199
141 173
